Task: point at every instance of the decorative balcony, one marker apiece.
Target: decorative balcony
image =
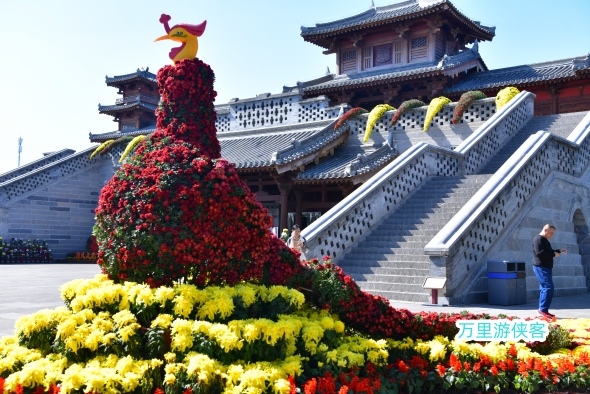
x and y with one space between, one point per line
137 98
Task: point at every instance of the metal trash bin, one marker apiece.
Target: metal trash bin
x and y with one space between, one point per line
506 282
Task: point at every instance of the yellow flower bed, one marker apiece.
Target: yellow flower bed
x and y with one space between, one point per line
98 343
103 316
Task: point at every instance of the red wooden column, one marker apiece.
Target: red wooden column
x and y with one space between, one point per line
298 198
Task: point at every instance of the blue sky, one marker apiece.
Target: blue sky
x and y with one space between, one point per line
56 54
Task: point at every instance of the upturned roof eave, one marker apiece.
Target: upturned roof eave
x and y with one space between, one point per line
363 84
110 109
323 38
103 137
138 75
312 156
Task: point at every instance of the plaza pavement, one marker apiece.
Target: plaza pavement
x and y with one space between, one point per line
25 289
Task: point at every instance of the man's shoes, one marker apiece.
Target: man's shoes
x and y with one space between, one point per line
547 315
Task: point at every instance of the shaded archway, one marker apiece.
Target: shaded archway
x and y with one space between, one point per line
583 238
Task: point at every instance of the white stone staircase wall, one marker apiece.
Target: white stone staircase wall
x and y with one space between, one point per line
408 131
56 202
352 219
45 160
518 199
266 110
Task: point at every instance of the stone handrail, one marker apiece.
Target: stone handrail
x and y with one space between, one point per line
49 173
349 221
581 131
483 144
455 229
352 218
465 240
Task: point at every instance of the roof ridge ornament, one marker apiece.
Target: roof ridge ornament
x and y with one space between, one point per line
475 46
580 64
427 3
443 61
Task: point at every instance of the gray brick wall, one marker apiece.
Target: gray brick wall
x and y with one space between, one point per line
61 212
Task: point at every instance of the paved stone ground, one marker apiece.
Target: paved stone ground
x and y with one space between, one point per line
25 289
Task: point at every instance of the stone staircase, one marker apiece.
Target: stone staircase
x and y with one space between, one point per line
390 261
561 125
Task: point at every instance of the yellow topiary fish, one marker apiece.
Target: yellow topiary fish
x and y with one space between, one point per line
505 95
433 108
375 114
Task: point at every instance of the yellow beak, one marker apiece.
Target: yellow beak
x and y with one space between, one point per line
166 37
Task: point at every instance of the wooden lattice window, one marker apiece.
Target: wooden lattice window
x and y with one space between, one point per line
349 55
397 52
368 57
418 47
128 126
348 60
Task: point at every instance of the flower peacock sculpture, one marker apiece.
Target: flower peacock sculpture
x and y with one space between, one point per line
178 212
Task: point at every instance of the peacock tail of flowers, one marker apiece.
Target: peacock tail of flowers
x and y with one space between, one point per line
464 102
350 114
405 107
375 114
434 108
505 95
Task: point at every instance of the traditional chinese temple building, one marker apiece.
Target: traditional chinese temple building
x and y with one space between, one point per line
408 50
135 109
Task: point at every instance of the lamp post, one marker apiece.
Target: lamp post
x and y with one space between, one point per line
20 149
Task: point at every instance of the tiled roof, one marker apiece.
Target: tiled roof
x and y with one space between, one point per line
139 74
348 162
276 146
105 109
371 77
113 135
377 16
523 75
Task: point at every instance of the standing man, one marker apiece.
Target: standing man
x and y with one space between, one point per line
543 256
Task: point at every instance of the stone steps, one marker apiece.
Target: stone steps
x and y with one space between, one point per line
391 260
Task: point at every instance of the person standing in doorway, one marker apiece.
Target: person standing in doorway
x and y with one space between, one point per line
543 255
